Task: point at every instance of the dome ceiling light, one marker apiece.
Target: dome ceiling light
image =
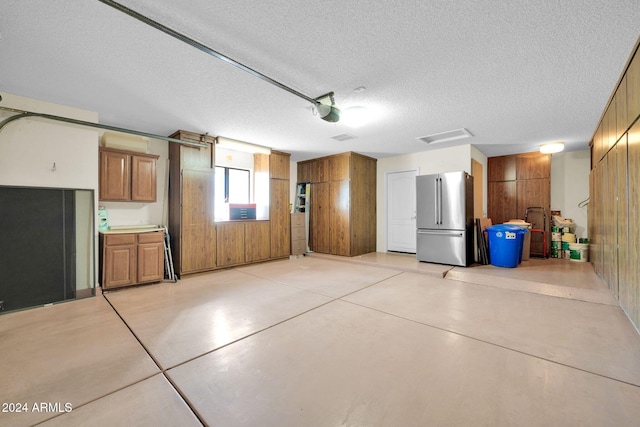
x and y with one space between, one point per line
327 112
552 147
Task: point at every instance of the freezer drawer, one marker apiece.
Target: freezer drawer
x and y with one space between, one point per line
443 246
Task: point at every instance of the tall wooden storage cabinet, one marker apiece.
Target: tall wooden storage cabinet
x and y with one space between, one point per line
614 191
343 203
279 204
191 208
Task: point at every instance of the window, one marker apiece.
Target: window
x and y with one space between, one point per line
232 186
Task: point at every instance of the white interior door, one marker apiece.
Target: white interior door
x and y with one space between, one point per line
401 211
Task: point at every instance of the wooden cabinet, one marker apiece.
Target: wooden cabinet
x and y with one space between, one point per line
501 168
343 204
614 192
230 238
131 258
127 176
257 236
501 196
319 236
191 204
298 234
242 242
529 185
279 209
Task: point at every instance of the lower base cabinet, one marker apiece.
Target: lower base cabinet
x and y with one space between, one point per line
242 242
131 259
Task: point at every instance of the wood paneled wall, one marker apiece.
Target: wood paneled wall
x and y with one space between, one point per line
614 223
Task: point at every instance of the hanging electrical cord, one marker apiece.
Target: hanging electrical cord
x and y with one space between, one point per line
327 112
584 203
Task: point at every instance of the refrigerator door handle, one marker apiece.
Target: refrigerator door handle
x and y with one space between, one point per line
436 204
440 201
441 232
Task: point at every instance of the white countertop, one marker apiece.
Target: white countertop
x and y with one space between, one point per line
132 229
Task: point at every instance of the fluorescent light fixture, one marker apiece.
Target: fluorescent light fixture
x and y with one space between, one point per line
233 144
355 116
552 147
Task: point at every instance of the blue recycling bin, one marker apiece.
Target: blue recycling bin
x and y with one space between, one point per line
505 245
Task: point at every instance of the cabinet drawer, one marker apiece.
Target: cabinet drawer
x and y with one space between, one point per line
298 247
297 233
297 220
120 239
154 237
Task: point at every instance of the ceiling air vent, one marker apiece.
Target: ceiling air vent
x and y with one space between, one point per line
446 136
343 137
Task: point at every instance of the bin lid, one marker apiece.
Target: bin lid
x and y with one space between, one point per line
519 222
506 227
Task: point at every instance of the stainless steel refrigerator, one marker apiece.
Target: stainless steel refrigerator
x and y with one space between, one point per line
445 218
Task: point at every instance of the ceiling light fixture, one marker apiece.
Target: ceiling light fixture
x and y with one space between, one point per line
552 147
331 114
355 116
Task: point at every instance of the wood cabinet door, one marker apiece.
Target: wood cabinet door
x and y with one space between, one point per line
230 242
339 167
150 262
501 168
633 194
279 164
257 237
340 232
197 234
304 171
279 218
501 197
610 223
633 89
115 180
319 170
533 166
319 239
119 266
143 179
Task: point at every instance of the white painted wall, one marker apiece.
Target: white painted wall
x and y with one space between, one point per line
133 213
570 186
30 147
427 162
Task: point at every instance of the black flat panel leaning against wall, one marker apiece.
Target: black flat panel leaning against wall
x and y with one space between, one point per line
37 246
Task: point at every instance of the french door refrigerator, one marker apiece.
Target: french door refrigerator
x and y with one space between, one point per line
445 218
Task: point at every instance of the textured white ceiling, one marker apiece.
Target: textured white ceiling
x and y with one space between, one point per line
515 73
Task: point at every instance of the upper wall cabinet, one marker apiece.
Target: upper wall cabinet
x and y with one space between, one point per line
502 168
127 176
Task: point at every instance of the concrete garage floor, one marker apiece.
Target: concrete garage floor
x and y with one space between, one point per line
322 341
